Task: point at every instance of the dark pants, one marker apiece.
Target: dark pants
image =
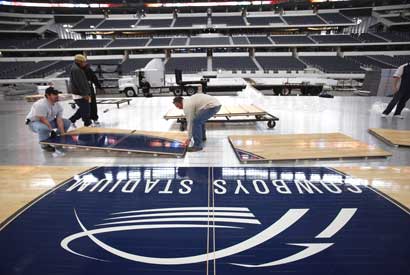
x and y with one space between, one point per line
400 98
83 112
93 106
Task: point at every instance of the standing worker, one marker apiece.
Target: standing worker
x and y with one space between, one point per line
93 80
46 118
197 109
400 93
80 90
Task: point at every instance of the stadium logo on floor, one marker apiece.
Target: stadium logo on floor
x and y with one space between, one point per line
205 217
235 220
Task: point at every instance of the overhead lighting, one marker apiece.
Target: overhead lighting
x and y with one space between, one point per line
57 5
214 4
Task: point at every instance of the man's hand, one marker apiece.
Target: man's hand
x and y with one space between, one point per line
186 142
87 97
53 133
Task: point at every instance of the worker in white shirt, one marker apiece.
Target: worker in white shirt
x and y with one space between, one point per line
46 118
197 109
401 91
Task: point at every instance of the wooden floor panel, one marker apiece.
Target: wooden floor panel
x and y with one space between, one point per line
393 181
393 137
19 185
130 141
301 146
178 136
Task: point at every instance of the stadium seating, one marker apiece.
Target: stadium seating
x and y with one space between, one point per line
228 20
179 41
261 21
90 43
88 23
161 42
240 40
335 18
303 20
128 42
369 62
154 23
234 63
130 65
259 40
190 21
291 39
58 66
334 39
186 64
59 43
280 63
369 38
118 24
197 41
394 36
332 64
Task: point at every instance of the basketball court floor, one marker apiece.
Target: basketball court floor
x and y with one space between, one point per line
206 212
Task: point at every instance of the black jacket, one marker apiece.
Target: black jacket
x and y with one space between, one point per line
92 77
78 81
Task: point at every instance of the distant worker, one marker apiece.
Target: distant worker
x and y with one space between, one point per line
93 81
401 91
46 118
146 87
80 90
197 109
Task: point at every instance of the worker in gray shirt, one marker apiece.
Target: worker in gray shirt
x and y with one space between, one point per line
81 90
46 118
197 109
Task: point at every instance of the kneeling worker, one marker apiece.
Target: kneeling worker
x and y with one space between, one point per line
197 109
45 118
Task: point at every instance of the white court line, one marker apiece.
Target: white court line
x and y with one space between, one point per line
239 209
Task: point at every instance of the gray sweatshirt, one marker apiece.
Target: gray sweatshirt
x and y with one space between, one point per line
78 81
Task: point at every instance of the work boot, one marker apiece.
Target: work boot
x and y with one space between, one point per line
194 149
48 148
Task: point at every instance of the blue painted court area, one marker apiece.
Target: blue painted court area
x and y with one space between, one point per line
232 220
123 142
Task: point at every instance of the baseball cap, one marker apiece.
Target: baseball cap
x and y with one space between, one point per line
51 90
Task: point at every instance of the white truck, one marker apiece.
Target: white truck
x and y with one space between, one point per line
151 79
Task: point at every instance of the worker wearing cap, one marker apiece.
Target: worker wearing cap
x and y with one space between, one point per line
81 90
197 109
46 117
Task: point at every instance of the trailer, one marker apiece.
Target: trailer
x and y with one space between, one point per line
152 80
285 85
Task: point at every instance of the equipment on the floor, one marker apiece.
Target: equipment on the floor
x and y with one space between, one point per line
229 114
117 102
393 137
131 141
264 148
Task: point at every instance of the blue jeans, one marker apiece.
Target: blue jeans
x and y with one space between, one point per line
198 125
42 130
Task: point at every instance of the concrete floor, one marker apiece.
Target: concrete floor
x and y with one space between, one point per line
350 115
